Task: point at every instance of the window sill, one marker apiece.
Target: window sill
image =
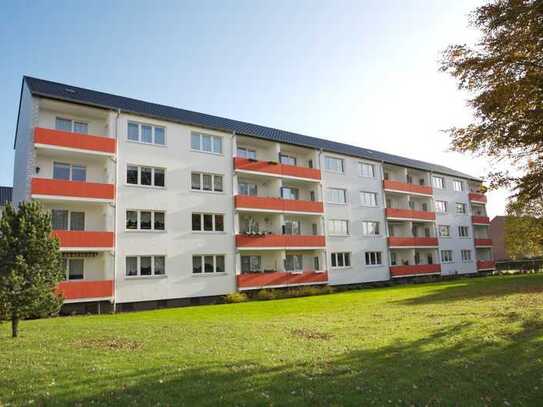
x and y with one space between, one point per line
207 192
202 232
126 184
336 203
373 266
201 275
144 231
340 268
145 143
207 152
159 277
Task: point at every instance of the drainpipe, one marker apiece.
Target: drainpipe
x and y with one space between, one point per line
235 257
115 206
323 217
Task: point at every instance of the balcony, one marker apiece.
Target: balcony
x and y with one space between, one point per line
258 203
409 214
414 270
397 186
253 281
483 242
85 240
280 242
483 265
412 242
63 140
47 188
86 290
480 220
477 197
276 169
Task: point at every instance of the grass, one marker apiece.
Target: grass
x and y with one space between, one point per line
466 342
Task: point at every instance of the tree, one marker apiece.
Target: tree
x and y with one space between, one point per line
503 73
524 229
30 264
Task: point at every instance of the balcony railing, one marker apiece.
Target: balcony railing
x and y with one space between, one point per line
398 186
273 168
251 281
477 197
72 189
409 214
70 239
486 265
395 241
280 241
277 204
480 220
64 139
483 242
414 270
83 289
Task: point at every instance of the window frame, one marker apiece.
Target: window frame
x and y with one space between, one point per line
446 206
70 169
448 235
138 178
73 122
138 220
456 182
337 159
138 266
328 190
334 232
461 205
69 219
250 257
443 260
361 165
213 176
463 227
368 193
466 259
67 261
202 259
214 222
441 184
365 229
373 256
345 256
247 151
212 138
140 133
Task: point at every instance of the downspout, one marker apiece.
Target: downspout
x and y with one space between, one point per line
115 209
323 217
389 257
235 257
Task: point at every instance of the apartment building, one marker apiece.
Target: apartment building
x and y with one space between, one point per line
159 206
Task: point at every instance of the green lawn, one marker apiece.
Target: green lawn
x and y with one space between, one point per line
467 342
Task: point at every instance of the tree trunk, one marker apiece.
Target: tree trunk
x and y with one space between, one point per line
14 327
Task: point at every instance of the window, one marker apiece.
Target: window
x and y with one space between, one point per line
336 196
244 152
147 176
69 172
446 256
368 198
457 186
251 264
294 262
65 220
146 133
460 207
441 206
145 220
292 227
340 259
370 228
74 268
290 193
145 266
437 182
373 259
206 182
247 188
444 231
207 222
206 143
338 227
463 231
466 256
208 263
333 164
71 125
287 159
367 170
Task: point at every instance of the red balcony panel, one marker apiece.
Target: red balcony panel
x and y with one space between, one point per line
73 290
405 187
74 140
409 214
81 238
276 168
480 220
476 197
403 271
280 241
486 265
259 280
412 241
277 204
483 242
76 189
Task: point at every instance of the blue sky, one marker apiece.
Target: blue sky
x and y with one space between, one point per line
360 72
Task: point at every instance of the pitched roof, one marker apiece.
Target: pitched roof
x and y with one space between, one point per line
84 96
5 195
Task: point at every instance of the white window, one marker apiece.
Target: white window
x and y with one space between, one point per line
438 182
62 219
336 195
69 172
208 264
71 125
466 256
251 264
207 222
74 268
457 185
446 256
373 258
287 159
292 227
338 227
200 181
145 220
294 262
290 193
146 133
444 230
367 170
340 259
247 188
147 176
463 231
370 228
245 152
441 206
460 207
206 143
145 266
333 164
368 198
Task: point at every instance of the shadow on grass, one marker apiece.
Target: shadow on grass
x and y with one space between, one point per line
442 369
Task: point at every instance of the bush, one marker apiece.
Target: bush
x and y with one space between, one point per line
234 298
266 294
308 291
